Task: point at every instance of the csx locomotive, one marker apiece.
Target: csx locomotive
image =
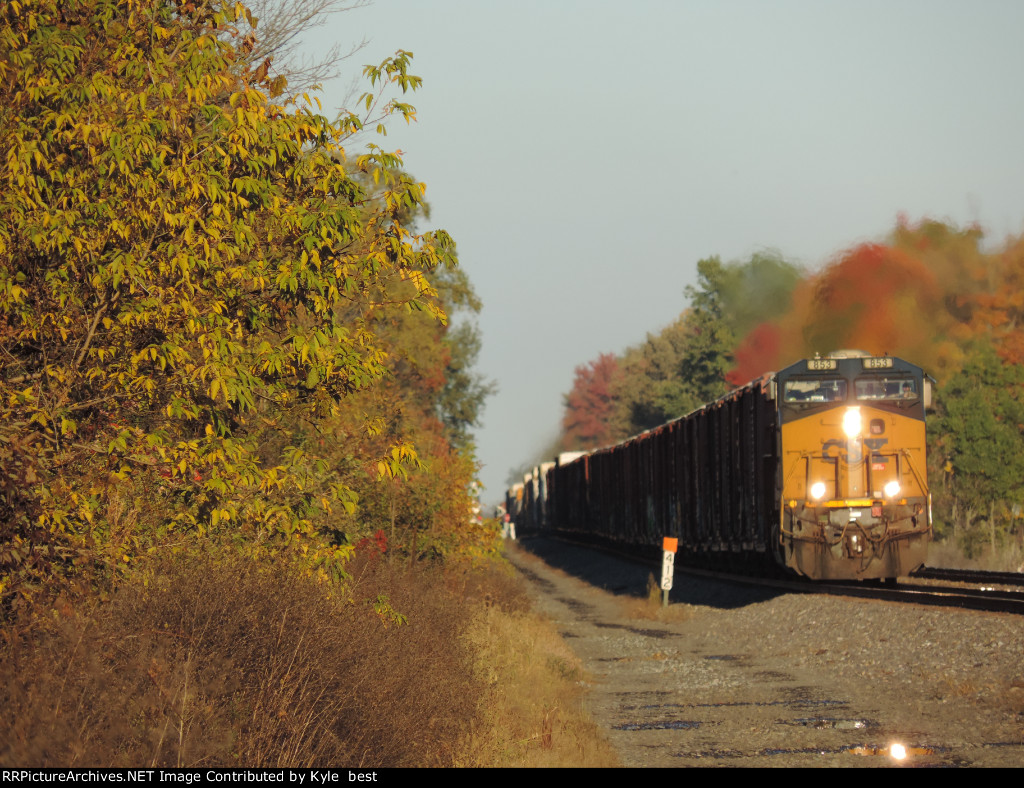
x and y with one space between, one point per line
819 468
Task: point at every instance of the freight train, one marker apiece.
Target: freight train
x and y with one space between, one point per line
818 469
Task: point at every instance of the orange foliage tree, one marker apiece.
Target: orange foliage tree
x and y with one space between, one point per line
916 296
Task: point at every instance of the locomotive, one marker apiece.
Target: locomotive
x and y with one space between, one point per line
818 469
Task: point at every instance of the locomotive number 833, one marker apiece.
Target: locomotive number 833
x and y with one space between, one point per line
819 468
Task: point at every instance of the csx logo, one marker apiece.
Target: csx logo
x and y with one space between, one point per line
850 451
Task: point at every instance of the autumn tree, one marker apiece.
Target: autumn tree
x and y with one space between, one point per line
996 311
185 265
728 302
430 398
684 365
590 405
282 26
915 295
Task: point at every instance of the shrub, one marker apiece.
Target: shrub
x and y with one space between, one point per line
214 660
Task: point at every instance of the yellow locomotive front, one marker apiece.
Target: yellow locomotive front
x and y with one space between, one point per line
854 492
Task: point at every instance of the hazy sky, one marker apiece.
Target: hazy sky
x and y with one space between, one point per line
586 154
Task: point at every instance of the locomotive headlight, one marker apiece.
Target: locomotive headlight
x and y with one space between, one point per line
851 422
892 489
818 490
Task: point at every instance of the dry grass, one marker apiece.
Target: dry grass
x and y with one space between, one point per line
948 555
212 660
1012 696
647 608
533 715
959 688
218 661
651 607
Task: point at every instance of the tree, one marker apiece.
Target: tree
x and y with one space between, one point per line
590 405
687 363
753 294
997 311
680 368
916 296
282 24
980 438
429 399
652 388
184 267
461 400
708 354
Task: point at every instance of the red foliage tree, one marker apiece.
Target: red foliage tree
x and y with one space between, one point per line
757 354
590 406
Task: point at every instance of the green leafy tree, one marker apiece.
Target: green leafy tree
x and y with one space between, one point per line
461 400
652 387
712 335
688 362
460 405
684 365
979 437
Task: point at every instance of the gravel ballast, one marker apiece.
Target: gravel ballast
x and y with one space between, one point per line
740 676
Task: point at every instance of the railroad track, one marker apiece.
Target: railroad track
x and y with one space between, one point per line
940 590
944 594
970 576
987 598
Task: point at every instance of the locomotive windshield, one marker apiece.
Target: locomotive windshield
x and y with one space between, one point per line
815 390
887 388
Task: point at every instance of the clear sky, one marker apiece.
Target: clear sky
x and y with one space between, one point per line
586 154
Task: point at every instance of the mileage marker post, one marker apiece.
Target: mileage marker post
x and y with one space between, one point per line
669 546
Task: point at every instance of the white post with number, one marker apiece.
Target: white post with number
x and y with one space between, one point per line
668 562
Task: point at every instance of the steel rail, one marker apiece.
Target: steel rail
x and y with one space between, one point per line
991 600
970 576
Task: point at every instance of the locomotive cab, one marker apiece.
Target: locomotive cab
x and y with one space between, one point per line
854 501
